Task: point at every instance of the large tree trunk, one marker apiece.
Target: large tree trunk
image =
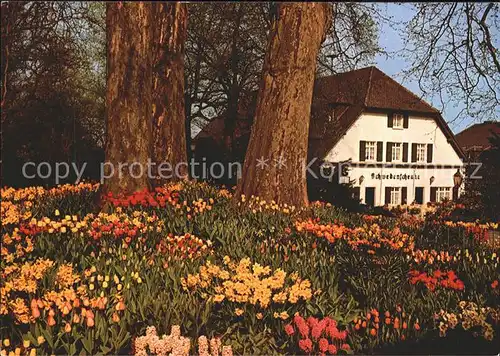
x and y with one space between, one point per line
169 119
128 103
280 130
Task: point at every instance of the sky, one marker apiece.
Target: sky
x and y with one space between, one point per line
390 40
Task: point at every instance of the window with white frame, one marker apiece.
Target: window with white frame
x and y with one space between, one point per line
398 120
421 152
395 196
397 151
370 150
443 193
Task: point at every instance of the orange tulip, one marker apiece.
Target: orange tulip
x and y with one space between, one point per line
101 303
116 318
67 328
373 332
76 318
120 306
66 309
51 321
90 322
35 312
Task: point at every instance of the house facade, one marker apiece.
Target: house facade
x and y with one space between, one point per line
398 148
397 158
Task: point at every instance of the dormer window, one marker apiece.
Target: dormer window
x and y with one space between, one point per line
398 120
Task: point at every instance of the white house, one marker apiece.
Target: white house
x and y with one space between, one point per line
399 149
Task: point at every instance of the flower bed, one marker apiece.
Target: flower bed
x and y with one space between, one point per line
252 277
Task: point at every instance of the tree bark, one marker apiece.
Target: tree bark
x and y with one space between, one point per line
169 118
128 101
281 125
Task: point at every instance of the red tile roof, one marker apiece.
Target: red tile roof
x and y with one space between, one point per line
349 94
371 88
477 136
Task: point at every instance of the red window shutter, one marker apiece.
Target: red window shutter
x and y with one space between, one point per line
388 156
429 153
380 148
405 152
406 121
414 152
362 150
433 194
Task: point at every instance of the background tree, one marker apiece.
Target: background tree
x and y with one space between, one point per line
169 130
453 51
281 123
129 100
52 86
224 54
352 39
226 45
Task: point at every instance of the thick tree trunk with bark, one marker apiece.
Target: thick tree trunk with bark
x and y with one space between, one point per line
169 118
128 102
274 167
